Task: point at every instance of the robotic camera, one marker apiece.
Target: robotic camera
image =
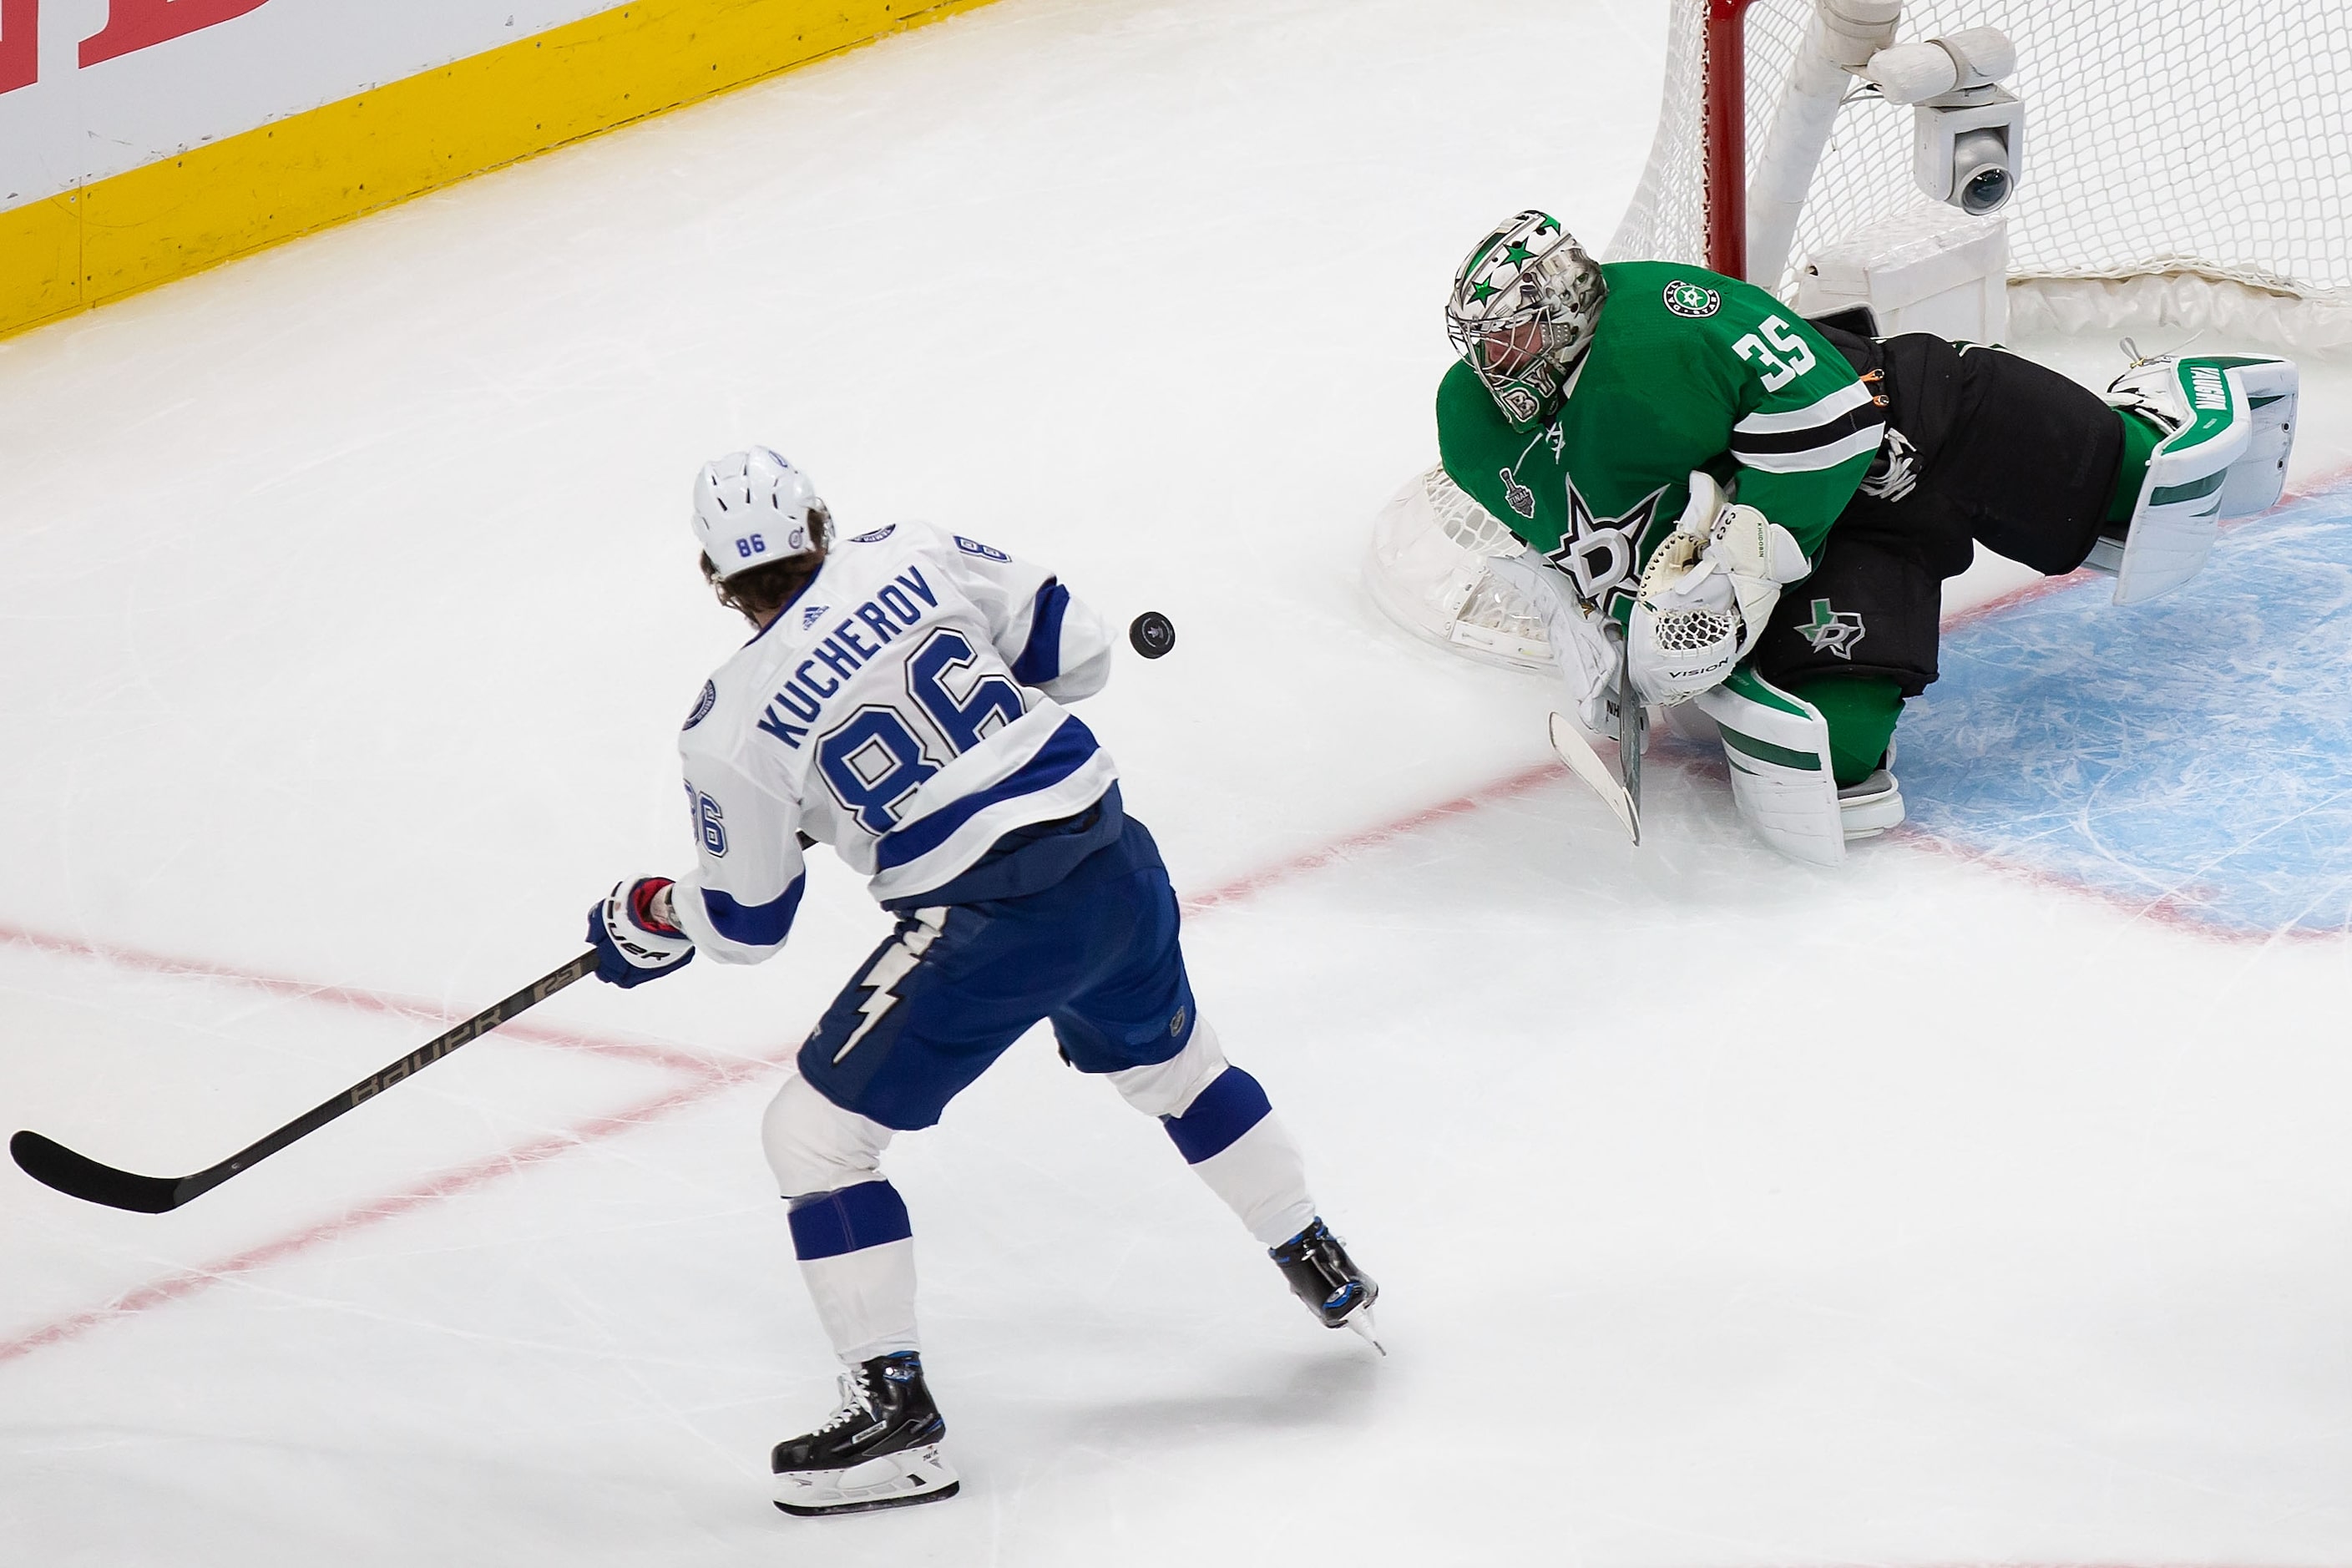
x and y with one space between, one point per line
1968 136
1980 175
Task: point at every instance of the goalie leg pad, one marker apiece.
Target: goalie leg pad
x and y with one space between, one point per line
2204 400
2273 389
1779 749
1782 777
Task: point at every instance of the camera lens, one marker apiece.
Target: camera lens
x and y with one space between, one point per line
1986 191
1980 172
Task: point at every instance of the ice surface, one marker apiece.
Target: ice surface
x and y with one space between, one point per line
1731 1212
2191 758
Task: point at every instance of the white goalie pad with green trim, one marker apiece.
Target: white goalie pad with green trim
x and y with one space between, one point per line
2232 425
1779 749
2258 478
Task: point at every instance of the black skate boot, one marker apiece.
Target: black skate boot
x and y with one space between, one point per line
1322 1275
880 1449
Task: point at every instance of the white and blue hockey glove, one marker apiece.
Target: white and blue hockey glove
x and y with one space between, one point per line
635 939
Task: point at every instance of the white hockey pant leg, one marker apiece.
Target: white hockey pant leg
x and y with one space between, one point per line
1221 1121
849 1225
1777 746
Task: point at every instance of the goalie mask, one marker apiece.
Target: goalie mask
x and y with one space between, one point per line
1522 312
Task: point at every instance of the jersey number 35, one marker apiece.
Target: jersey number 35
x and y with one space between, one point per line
1779 371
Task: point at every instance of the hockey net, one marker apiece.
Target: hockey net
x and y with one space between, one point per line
2186 162
2186 167
1428 570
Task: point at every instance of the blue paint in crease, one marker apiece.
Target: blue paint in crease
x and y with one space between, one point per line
2192 753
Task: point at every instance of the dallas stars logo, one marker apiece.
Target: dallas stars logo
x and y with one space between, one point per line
1831 631
1599 553
1693 300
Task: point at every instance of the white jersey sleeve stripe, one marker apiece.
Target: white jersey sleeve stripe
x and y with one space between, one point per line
1853 394
1812 460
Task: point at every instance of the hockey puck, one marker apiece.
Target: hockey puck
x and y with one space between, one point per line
1152 633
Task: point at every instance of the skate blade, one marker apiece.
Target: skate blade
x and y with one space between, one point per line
894 1481
1362 1323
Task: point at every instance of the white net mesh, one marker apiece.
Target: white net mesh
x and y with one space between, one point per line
2186 137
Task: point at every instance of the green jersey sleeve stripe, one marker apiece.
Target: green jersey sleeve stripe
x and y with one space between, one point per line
1820 411
1812 459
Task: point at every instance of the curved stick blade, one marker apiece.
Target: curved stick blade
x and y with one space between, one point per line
1586 765
53 1164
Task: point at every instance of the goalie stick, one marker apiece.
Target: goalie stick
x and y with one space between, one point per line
79 1176
1622 793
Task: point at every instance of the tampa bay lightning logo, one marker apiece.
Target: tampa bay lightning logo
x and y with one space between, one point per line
703 704
974 547
877 537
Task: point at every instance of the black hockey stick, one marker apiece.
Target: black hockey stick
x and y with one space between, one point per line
79 1176
1632 730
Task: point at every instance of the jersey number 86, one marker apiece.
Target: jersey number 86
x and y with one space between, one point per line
872 761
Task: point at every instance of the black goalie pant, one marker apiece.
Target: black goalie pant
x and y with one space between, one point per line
1981 446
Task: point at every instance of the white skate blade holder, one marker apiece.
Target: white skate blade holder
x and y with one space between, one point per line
1362 1322
888 1480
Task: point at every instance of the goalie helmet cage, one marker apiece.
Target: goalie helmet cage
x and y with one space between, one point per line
2186 162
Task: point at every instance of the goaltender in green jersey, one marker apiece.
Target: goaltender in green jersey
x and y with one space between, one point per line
1754 513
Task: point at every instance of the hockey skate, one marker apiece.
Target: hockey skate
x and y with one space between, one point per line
1322 1275
1869 808
880 1449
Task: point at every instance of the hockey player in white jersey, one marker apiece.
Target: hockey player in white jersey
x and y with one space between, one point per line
902 701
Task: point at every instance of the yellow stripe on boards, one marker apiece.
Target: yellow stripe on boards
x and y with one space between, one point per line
167 219
40 260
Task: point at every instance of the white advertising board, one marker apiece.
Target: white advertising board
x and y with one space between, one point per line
90 89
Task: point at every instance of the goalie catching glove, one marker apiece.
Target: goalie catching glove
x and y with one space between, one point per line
636 934
1706 593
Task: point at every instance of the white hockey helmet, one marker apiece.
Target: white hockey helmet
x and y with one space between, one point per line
1524 305
751 508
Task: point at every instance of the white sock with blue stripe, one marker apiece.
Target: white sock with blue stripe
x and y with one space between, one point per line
1221 1121
857 1254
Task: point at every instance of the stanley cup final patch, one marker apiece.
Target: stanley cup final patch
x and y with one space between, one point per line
1831 631
1693 300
